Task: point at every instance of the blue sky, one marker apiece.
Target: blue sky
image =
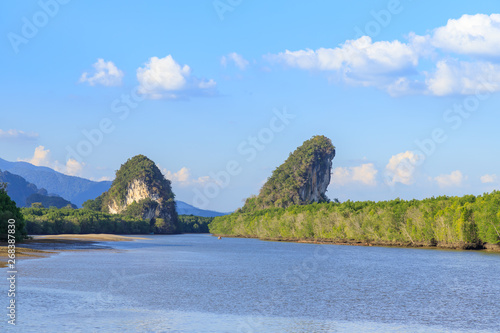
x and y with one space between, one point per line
218 93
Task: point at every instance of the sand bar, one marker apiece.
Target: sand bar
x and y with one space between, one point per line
44 246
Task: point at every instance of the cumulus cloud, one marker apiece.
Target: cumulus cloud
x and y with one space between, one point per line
402 167
486 179
352 55
456 178
42 157
235 58
358 61
183 177
17 134
477 35
466 78
105 73
364 174
396 66
165 78
73 167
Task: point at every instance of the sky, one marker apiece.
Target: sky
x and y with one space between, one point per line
218 93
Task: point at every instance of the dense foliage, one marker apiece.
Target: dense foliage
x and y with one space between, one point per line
282 188
194 224
8 211
53 221
443 220
95 205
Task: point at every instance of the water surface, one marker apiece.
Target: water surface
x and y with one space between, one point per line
197 283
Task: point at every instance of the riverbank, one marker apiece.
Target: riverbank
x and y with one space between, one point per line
353 242
45 246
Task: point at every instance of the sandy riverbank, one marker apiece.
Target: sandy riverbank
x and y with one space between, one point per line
44 246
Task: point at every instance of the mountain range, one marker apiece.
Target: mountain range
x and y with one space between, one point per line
24 193
77 190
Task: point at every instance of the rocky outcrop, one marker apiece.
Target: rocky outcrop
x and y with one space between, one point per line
317 179
137 190
140 190
302 179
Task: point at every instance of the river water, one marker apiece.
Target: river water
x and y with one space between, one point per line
197 283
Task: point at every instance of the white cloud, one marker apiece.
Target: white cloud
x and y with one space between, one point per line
466 78
486 179
165 78
73 167
365 174
183 177
101 179
17 134
470 34
456 178
402 167
42 157
396 67
353 54
358 61
105 73
236 58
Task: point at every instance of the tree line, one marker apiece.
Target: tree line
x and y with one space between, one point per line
53 221
472 220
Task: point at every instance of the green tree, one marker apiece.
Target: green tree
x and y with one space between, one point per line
10 212
464 222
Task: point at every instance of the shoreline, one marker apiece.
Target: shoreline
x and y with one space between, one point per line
43 246
495 248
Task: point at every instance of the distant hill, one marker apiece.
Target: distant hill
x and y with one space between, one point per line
24 193
48 201
18 188
186 209
75 189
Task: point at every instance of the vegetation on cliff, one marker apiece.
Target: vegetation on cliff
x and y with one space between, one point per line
283 187
461 222
143 170
139 168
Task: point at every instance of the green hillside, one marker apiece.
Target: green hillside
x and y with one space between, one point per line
283 187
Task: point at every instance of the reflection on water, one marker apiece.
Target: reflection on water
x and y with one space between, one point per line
196 283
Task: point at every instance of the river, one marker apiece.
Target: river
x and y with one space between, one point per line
197 283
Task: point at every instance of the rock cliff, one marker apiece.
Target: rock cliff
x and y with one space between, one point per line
137 190
140 190
302 179
318 179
